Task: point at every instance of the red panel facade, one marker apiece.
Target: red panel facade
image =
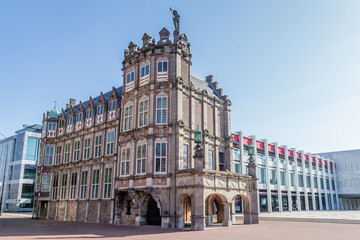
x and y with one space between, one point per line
271 148
236 138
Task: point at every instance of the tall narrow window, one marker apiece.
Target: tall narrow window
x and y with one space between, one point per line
55 187
128 117
160 157
221 161
141 158
308 182
89 113
315 183
185 156
45 183
63 186
67 153
236 161
79 117
110 143
125 161
107 182
143 113
58 155
73 185
49 155
292 179
83 187
76 150
301 180
86 148
112 105
97 148
95 184
161 110
211 159
282 178
322 183
262 175
130 77
273 178
100 110
70 121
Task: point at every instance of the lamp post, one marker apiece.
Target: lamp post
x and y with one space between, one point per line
252 160
3 181
199 151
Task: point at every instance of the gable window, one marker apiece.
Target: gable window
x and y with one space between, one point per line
110 143
58 155
73 185
162 67
97 148
141 158
143 113
67 153
63 186
79 117
107 182
89 113
185 156
145 70
86 148
100 110
70 121
61 123
128 117
95 184
55 187
125 161
160 157
112 105
130 77
49 155
83 186
161 110
76 150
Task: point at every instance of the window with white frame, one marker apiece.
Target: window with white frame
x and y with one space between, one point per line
141 158
143 113
145 70
236 161
49 155
130 77
79 117
58 155
185 156
161 110
70 120
100 110
76 150
160 157
162 66
87 148
107 182
128 117
55 187
112 105
45 183
51 126
110 143
89 113
83 187
125 160
67 153
73 185
63 186
95 184
97 147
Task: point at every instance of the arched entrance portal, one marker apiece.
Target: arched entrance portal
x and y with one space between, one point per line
214 205
240 209
153 213
187 211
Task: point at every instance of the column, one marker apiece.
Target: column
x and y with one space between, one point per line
312 182
288 178
325 187
227 215
331 187
298 205
267 170
304 181
319 184
277 161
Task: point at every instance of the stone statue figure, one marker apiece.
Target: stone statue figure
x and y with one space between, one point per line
176 20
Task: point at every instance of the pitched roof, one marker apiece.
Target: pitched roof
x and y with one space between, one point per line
203 85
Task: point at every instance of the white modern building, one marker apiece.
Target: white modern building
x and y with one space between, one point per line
348 177
288 179
18 160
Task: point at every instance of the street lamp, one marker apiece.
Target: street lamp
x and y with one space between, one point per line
3 181
252 160
199 153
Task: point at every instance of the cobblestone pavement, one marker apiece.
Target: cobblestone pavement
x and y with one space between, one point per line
15 227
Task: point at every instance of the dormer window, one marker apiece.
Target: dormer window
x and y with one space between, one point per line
79 117
130 77
145 70
112 105
89 113
70 121
61 123
100 110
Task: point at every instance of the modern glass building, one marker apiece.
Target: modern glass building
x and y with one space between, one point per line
288 179
18 160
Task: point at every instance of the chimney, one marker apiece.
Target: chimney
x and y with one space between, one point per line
72 102
220 91
214 85
209 78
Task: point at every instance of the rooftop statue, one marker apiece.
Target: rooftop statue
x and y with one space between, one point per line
176 19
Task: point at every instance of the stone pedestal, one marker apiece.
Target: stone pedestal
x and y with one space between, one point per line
165 222
180 221
208 219
251 218
198 223
227 215
140 220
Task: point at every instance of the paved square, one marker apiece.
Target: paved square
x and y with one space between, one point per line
20 227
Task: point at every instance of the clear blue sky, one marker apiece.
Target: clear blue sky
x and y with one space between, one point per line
290 68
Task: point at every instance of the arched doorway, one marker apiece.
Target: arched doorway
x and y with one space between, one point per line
187 210
214 205
240 209
153 213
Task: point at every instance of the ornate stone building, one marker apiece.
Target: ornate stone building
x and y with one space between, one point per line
127 157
